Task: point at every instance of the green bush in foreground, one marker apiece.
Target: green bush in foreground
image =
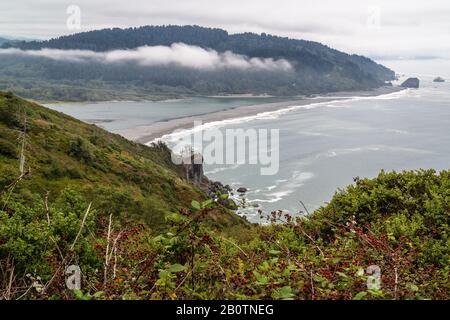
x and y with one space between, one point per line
397 224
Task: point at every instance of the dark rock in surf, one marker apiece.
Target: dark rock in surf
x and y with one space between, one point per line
411 83
216 187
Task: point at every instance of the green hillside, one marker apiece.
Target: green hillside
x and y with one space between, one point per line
121 177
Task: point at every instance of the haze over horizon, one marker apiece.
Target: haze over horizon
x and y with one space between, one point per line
379 29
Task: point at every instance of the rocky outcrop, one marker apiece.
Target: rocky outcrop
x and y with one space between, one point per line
193 168
216 187
222 194
411 83
242 190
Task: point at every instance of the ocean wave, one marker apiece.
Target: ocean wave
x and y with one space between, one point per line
370 148
274 197
221 169
286 188
386 96
313 134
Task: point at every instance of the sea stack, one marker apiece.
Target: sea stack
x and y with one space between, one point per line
411 83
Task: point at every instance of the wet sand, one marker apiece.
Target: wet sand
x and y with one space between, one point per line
147 133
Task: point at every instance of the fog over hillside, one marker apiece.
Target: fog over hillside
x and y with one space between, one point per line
184 60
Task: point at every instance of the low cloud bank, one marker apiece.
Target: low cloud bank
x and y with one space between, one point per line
178 54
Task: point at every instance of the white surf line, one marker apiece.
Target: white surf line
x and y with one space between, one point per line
270 114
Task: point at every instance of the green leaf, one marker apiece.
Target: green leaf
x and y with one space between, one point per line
195 205
413 287
335 260
224 196
175 217
274 252
261 280
207 203
319 278
98 294
176 268
264 266
163 274
360 295
78 293
283 293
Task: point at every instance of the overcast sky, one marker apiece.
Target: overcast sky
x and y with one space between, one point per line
377 28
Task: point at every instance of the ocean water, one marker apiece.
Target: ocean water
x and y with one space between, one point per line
324 146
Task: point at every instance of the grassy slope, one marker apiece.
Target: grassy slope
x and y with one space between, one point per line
118 176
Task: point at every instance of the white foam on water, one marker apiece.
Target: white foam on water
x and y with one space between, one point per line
313 134
221 169
298 179
373 148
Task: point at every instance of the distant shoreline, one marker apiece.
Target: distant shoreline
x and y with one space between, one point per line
147 133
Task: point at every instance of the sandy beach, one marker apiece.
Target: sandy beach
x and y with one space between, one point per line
148 133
